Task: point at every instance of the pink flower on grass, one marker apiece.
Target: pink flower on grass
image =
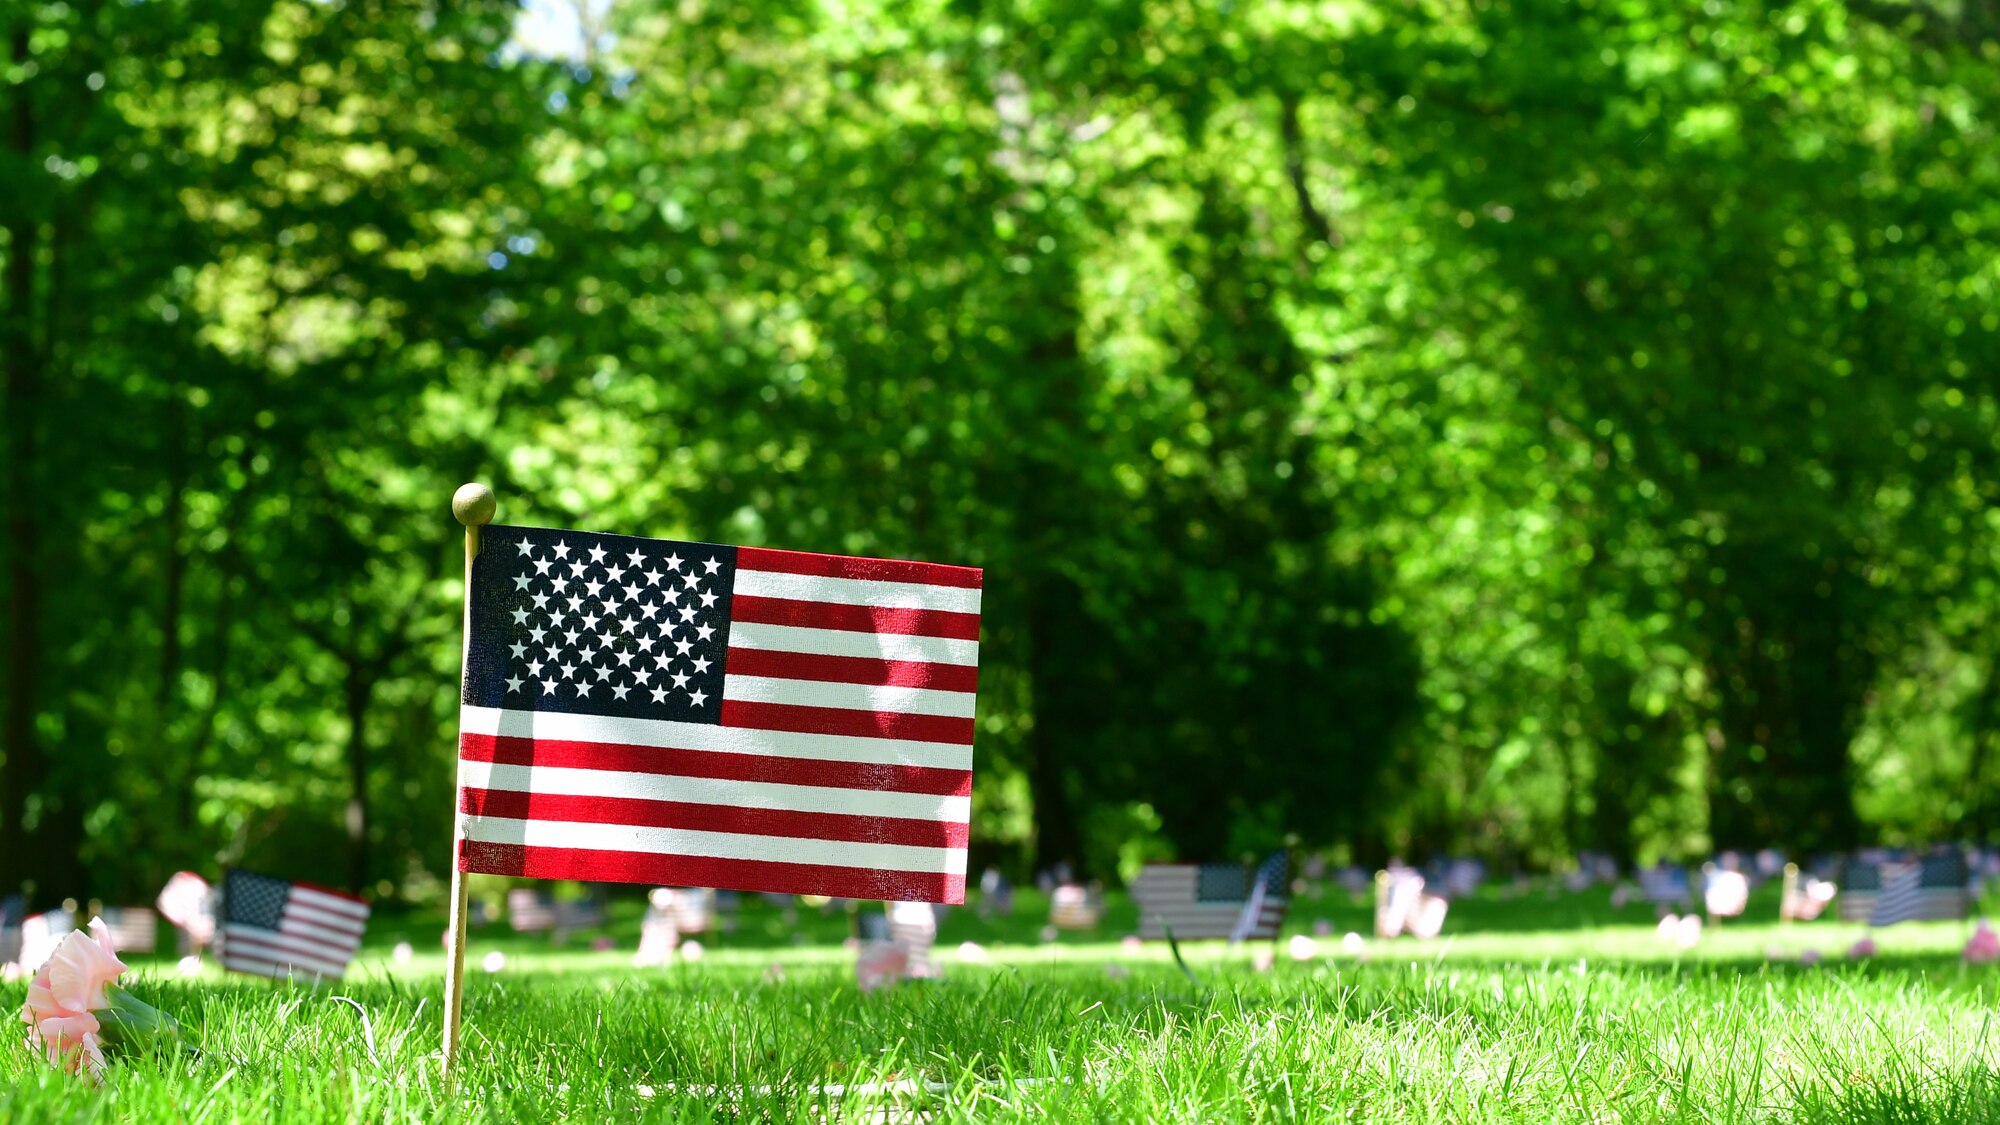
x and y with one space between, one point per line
75 1009
65 997
880 963
1983 946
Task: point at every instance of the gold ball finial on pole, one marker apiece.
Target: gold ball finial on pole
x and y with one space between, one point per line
474 505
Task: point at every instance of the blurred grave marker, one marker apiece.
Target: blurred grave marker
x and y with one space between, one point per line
657 933
530 911
1403 906
1804 897
1724 892
913 928
188 903
694 909
1072 907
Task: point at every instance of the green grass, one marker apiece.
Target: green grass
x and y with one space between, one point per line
1592 1021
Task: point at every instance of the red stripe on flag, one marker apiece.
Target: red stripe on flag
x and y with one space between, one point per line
619 757
841 720
782 665
844 566
331 891
854 618
702 871
712 818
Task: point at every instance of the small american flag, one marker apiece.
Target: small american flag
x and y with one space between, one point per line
134 929
645 710
1212 900
273 928
1931 889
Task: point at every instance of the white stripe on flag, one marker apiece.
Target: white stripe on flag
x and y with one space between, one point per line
339 939
860 697
856 591
712 845
666 734
333 904
568 782
839 642
279 965
248 941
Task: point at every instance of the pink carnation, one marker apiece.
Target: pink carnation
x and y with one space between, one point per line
64 997
1984 945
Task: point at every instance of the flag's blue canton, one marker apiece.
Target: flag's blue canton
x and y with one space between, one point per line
1943 869
250 899
1221 882
584 623
1232 882
1275 874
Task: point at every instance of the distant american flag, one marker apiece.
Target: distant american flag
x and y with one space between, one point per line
1212 900
652 711
274 928
1930 889
134 929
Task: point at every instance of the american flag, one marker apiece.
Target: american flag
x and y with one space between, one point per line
1212 900
273 928
134 929
652 711
1931 889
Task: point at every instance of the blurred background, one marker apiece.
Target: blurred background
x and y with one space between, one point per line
1502 427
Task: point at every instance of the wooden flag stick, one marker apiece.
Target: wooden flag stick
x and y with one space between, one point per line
474 506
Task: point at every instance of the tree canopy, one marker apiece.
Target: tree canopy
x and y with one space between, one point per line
1516 427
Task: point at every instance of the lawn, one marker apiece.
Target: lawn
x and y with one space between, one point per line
1542 1008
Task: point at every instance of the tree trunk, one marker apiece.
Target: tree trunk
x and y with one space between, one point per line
21 404
1985 732
360 688
1058 837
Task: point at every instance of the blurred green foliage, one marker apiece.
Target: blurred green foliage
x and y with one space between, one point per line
1514 427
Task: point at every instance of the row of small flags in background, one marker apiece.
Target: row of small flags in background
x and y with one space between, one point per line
257 924
273 927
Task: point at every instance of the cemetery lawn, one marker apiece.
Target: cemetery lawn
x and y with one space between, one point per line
1552 1010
